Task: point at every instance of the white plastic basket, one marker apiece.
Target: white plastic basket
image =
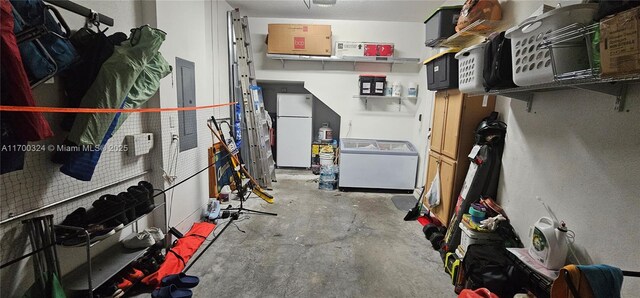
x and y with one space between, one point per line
470 65
531 62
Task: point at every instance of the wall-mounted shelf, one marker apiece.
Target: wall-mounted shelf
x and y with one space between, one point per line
355 60
616 87
583 79
379 97
475 33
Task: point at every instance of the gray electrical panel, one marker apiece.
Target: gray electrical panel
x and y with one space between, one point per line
186 86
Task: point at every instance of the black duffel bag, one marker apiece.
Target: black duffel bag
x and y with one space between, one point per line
488 266
497 72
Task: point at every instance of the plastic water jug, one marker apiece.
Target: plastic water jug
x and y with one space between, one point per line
548 243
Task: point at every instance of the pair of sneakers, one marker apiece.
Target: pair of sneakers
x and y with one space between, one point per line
146 238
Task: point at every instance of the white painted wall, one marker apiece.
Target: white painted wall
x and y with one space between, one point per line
338 83
196 31
582 159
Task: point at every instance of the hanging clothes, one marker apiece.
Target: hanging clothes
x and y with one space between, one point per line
94 49
146 85
17 127
49 53
82 164
114 82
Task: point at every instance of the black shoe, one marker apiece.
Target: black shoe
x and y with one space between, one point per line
130 205
77 218
142 199
109 207
149 187
122 202
146 265
157 256
96 233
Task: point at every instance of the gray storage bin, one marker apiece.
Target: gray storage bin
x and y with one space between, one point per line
441 24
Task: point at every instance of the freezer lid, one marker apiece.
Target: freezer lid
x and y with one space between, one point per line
368 146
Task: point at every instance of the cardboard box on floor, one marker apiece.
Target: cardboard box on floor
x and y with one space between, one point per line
299 39
620 44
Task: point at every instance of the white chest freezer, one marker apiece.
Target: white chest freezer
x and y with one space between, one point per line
377 164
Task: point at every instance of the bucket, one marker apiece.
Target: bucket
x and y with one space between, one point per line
326 159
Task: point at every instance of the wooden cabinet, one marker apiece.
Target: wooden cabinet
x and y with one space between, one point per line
455 117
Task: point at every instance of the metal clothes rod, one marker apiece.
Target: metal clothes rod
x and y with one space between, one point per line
12 218
81 10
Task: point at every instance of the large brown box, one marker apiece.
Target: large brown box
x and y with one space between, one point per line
299 39
620 44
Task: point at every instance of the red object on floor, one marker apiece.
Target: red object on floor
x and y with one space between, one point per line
185 247
479 293
30 126
424 220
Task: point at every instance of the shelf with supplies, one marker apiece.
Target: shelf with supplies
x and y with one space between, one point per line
587 77
355 60
380 97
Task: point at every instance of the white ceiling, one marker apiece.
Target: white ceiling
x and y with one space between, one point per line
372 10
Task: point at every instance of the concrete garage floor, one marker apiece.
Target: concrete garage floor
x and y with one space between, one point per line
321 244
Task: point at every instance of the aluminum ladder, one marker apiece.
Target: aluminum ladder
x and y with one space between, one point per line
256 134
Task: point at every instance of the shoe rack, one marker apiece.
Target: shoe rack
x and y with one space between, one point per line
100 267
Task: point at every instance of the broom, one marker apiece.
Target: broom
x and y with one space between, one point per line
414 213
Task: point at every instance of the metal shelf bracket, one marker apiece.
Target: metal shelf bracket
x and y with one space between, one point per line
619 91
523 96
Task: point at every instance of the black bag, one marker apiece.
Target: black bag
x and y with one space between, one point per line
488 266
609 7
497 71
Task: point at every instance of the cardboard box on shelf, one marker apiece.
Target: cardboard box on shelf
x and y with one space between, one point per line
620 44
299 39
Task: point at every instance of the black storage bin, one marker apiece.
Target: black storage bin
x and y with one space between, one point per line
379 83
441 24
442 71
366 85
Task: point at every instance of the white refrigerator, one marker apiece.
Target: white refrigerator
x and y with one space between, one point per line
294 131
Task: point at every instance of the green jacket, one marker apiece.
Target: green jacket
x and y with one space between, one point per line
131 75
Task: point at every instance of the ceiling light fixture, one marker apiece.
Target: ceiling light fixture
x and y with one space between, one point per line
325 3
